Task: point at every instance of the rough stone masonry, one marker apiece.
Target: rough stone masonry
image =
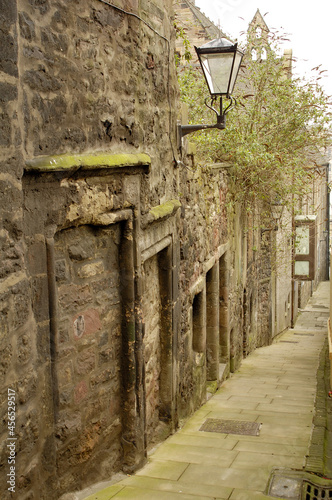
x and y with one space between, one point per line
113 251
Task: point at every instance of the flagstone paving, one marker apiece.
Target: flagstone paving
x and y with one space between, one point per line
275 386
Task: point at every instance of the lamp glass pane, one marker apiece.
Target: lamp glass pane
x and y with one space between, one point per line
217 69
302 240
237 62
302 268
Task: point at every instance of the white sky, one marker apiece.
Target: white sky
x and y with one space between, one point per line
308 23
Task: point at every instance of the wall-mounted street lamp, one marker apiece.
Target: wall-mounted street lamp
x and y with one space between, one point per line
220 61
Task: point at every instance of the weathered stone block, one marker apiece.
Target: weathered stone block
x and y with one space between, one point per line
24 349
69 424
72 297
80 392
108 17
42 5
65 374
27 429
103 339
27 26
6 353
36 258
65 397
103 377
8 61
52 41
5 128
13 166
40 304
26 388
41 81
82 250
8 92
61 270
21 303
85 362
106 356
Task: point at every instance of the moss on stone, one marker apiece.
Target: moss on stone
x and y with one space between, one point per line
212 386
86 161
165 210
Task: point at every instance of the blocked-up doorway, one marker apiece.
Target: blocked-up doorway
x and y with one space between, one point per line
88 351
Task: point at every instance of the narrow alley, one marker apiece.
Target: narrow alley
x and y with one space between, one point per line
261 421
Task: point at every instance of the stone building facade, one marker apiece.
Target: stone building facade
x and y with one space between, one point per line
126 290
90 214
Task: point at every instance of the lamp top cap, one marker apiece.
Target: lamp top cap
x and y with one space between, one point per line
218 44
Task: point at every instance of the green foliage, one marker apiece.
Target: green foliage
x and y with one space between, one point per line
180 33
271 135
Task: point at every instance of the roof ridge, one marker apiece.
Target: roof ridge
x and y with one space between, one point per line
208 24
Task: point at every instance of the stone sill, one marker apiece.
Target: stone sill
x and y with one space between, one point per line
86 161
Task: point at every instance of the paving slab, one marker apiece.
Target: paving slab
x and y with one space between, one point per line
195 454
270 448
164 469
246 459
179 487
250 478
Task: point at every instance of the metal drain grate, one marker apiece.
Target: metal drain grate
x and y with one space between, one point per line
312 491
299 485
231 427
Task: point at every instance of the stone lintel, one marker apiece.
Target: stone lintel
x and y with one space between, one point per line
197 287
209 263
106 219
156 248
86 161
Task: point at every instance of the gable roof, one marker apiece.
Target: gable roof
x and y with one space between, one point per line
211 30
198 28
258 20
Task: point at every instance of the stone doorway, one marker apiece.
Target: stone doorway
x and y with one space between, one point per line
158 346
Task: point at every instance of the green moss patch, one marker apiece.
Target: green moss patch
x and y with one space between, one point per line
88 161
165 210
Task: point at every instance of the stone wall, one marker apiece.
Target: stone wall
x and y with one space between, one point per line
204 238
84 90
25 372
128 290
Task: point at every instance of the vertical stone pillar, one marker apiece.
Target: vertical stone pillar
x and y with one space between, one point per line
166 336
133 432
53 315
212 323
223 310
